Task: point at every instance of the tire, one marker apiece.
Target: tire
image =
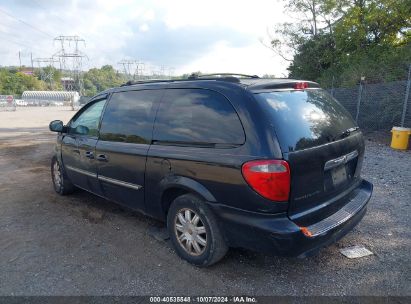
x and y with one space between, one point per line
203 230
61 183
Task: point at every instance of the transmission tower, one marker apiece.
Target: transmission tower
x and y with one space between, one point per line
46 68
133 69
171 71
162 72
71 61
163 69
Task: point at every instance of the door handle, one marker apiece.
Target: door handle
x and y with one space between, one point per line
90 154
102 157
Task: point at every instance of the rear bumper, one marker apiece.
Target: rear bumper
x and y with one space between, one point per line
278 234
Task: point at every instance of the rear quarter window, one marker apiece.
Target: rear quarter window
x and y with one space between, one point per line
197 116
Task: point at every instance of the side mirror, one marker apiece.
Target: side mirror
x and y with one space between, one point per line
82 130
56 126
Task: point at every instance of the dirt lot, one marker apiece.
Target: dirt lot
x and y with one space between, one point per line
85 245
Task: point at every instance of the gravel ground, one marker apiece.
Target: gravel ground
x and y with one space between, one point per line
84 245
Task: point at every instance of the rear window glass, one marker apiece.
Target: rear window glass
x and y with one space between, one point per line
304 119
197 116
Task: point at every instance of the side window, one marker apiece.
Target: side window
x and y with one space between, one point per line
87 122
128 117
197 116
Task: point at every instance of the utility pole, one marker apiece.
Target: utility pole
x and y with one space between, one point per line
20 60
360 88
32 67
407 94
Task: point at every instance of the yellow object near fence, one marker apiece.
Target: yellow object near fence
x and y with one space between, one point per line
400 137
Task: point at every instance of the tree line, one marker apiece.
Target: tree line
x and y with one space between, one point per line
13 81
335 42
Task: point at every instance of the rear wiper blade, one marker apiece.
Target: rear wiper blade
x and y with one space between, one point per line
348 132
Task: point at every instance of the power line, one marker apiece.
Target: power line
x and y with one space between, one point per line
63 22
25 23
38 4
11 41
46 9
17 41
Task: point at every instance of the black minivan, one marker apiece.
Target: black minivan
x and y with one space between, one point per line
225 160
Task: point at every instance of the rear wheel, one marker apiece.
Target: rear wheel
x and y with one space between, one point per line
194 231
61 183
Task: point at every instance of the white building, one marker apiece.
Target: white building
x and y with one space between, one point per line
51 98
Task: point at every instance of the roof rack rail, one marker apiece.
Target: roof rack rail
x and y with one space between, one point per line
132 82
230 77
220 75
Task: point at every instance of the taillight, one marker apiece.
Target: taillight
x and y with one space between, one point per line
269 178
300 85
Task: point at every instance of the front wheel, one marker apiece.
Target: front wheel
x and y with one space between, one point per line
61 183
194 231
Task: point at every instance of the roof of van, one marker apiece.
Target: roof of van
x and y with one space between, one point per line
252 83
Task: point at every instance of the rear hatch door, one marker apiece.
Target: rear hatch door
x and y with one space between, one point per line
322 145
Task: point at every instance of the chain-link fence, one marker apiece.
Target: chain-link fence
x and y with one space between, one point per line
377 105
41 99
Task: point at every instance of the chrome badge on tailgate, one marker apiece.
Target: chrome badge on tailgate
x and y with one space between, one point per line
338 170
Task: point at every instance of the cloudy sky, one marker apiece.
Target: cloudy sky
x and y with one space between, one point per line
207 36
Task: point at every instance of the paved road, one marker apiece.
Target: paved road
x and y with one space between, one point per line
84 245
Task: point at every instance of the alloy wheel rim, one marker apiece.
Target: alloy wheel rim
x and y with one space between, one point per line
57 175
190 231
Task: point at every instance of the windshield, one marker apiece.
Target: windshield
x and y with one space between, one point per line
304 119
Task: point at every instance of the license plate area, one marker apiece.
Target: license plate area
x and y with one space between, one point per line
340 171
339 175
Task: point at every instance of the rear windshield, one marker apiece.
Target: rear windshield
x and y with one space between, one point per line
304 119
